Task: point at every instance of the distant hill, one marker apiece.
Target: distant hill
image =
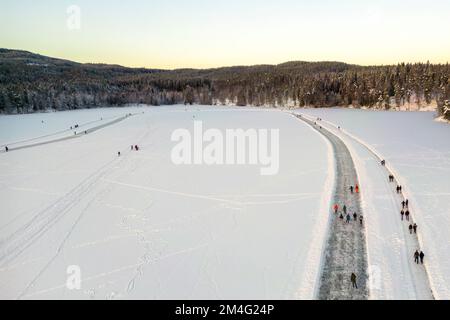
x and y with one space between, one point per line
30 82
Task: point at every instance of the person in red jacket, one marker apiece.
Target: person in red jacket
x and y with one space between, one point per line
335 208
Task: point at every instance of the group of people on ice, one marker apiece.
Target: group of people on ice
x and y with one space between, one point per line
346 216
405 215
419 255
354 189
133 148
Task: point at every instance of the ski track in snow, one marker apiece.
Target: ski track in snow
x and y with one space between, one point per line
23 144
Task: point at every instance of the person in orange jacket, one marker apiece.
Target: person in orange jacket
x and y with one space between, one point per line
357 188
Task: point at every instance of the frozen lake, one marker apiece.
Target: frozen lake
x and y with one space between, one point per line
418 148
139 226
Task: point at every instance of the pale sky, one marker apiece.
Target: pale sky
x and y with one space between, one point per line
208 33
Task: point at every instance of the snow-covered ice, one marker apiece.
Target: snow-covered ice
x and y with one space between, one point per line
140 227
417 149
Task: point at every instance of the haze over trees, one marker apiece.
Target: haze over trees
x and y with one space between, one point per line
31 83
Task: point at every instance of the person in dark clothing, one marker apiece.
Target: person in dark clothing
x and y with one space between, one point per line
132 148
341 217
345 209
136 148
361 219
398 189
403 214
353 280
348 218
383 163
118 153
415 228
416 257
6 149
407 203
403 204
407 215
422 256
351 189
410 228
355 216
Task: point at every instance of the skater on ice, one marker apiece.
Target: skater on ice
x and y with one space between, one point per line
415 228
335 208
353 279
410 228
422 256
403 214
351 189
407 215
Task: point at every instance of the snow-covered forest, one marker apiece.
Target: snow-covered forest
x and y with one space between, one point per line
31 82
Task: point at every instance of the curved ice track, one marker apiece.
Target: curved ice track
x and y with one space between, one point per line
79 134
346 245
390 245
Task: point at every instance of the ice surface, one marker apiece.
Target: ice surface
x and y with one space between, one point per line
418 150
140 227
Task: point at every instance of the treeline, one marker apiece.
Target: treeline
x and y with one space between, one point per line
30 83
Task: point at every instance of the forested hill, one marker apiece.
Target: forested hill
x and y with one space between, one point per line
31 82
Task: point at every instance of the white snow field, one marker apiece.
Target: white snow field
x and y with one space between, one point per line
140 227
417 150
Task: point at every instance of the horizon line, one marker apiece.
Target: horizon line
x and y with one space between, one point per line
222 66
